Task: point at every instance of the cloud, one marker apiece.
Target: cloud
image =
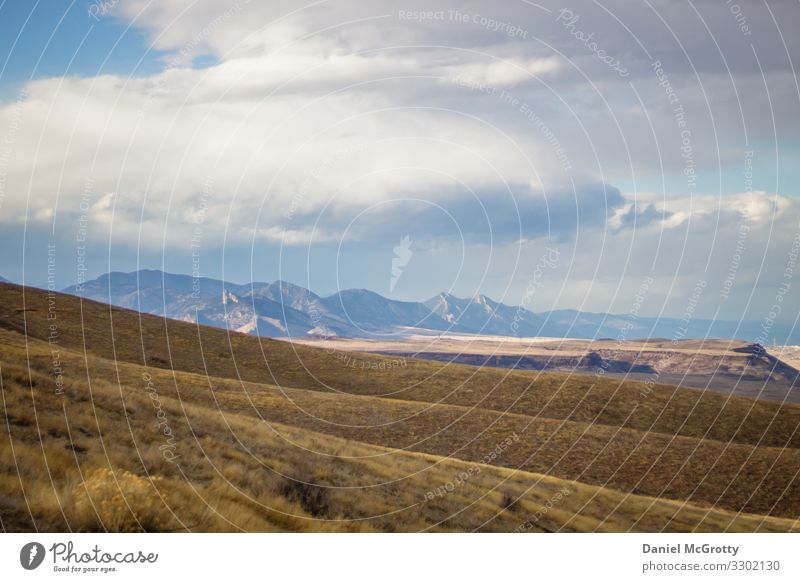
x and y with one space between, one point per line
293 85
631 216
740 251
512 215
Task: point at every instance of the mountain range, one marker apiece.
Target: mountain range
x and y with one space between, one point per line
282 309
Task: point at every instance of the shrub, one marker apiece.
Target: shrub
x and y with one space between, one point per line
312 498
509 502
121 502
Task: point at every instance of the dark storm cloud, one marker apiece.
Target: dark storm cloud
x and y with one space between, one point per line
485 216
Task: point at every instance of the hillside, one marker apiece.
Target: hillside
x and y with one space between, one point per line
272 436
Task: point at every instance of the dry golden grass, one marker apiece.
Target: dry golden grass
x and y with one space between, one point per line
733 476
238 475
93 456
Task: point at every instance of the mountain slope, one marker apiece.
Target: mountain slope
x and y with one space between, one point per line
482 315
371 312
288 310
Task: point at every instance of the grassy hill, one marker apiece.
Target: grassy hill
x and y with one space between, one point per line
121 421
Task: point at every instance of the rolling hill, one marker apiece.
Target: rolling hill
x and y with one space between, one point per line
123 421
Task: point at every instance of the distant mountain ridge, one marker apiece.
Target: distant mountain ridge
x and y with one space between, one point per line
282 309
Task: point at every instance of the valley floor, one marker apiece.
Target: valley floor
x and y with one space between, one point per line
725 366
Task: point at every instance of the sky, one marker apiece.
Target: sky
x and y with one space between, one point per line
636 150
